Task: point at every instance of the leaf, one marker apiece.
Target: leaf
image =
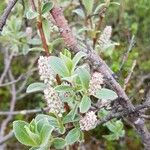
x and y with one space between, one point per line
31 14
99 8
110 137
59 143
45 134
84 77
71 116
85 104
39 49
73 136
88 4
34 41
77 58
67 61
34 87
35 137
39 148
115 3
63 88
58 66
21 134
79 12
47 7
51 120
106 94
46 28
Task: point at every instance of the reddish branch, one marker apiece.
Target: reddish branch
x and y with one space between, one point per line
6 13
40 25
40 28
102 67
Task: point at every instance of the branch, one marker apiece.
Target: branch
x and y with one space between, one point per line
102 67
12 82
40 25
7 62
6 137
125 57
129 75
22 112
6 13
125 113
12 106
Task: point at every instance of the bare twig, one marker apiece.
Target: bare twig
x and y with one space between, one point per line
6 137
125 56
146 116
6 13
127 79
7 62
23 112
12 106
32 5
125 113
12 82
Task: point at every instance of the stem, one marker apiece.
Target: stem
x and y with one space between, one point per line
40 28
6 13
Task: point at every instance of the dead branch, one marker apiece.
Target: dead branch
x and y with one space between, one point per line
22 112
7 62
6 13
6 137
127 79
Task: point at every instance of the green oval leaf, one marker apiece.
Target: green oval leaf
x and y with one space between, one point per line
31 14
84 77
21 134
63 88
47 7
88 4
106 94
34 87
72 136
85 104
77 58
45 134
58 66
59 143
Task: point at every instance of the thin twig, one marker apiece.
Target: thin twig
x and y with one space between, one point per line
7 62
23 112
124 113
146 116
127 79
6 137
12 106
125 56
6 13
12 82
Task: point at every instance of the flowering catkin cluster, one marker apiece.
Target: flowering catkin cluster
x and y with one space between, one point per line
104 39
45 72
95 83
54 103
89 121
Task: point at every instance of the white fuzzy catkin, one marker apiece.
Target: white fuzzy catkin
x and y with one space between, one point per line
54 103
104 39
89 121
95 83
45 72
